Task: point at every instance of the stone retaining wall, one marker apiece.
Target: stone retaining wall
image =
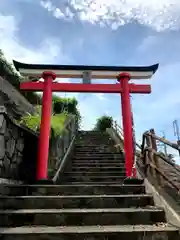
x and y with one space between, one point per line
16 104
18 150
60 145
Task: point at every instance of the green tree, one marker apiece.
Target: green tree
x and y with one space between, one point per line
66 105
103 122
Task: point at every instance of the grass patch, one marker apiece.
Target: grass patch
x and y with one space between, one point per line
57 123
33 122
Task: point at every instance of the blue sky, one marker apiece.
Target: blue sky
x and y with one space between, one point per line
103 32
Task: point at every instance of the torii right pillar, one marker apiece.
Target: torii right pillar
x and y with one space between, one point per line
127 122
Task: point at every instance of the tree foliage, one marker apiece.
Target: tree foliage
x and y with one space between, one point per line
61 109
33 122
103 122
66 105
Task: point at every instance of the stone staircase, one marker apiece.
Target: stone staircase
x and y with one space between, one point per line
89 203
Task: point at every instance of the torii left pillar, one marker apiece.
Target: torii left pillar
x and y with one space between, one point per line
45 127
127 122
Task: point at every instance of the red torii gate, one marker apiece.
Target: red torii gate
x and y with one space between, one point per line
50 72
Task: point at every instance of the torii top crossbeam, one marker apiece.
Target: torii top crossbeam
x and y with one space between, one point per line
50 72
76 71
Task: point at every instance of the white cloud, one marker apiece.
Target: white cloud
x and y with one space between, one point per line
88 113
147 43
160 15
13 48
100 96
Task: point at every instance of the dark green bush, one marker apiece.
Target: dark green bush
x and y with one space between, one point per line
61 104
103 122
68 105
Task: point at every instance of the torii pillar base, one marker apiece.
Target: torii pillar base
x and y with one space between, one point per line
133 181
43 182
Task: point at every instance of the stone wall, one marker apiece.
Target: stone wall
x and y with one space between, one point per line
19 145
18 150
60 145
16 104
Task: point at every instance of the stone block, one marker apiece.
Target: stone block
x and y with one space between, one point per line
2 124
20 144
10 147
6 163
2 147
17 158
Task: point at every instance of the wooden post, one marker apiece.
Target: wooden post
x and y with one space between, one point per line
150 156
155 157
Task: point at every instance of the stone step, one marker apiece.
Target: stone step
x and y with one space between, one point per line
71 190
80 217
99 154
94 174
97 157
98 134
93 178
89 144
94 137
134 232
98 161
94 168
104 140
99 169
94 144
76 201
93 150
93 141
92 182
95 164
105 149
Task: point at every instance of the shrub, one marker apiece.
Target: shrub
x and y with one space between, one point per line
103 122
61 109
33 122
66 105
